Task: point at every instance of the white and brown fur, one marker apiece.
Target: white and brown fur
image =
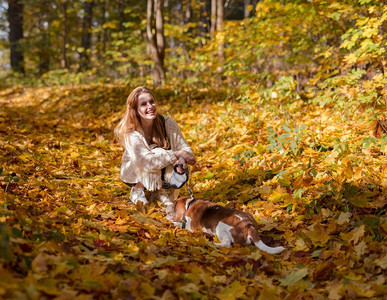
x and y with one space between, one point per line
230 225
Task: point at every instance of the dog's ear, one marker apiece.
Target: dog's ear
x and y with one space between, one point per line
182 198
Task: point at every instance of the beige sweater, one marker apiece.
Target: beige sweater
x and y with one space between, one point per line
142 162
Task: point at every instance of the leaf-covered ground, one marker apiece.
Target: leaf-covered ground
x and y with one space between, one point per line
314 180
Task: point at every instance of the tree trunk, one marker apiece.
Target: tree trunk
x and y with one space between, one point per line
219 27
188 13
213 16
43 42
63 61
102 34
121 14
254 4
246 11
156 40
15 19
105 31
44 46
160 29
205 17
86 35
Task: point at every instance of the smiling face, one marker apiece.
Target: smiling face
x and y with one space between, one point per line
146 107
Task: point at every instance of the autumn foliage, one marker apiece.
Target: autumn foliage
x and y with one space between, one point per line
290 127
315 183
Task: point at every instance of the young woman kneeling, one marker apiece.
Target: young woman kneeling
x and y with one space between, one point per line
153 145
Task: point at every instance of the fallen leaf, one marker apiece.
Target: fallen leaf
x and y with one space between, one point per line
234 291
354 235
294 277
168 295
317 234
344 218
382 262
323 271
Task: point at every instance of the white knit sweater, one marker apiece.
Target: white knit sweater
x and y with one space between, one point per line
142 162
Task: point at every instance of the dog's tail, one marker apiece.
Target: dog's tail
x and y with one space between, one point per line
254 236
270 250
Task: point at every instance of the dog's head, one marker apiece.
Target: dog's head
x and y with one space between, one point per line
175 211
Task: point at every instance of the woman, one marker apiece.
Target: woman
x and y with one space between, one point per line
152 142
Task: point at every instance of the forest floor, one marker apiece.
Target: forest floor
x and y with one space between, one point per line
68 229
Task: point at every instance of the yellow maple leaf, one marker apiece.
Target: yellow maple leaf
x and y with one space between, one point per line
233 291
354 235
317 233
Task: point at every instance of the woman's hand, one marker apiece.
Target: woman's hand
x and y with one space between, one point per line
188 157
181 165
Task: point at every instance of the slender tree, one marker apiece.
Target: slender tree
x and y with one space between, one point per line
205 16
219 27
102 36
44 48
188 12
63 61
15 20
44 44
86 35
252 4
213 16
246 11
155 34
121 15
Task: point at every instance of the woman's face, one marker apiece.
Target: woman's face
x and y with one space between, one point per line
146 107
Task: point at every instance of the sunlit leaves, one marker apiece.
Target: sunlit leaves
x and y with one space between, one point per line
68 230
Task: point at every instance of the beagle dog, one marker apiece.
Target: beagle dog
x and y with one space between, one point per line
230 225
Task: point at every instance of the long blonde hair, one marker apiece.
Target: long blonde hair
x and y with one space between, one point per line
132 122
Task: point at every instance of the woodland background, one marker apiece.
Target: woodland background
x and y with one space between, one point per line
283 102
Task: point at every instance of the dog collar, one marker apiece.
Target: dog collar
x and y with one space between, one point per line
184 220
190 203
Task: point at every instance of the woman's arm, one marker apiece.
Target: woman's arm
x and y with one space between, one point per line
178 143
148 160
186 156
